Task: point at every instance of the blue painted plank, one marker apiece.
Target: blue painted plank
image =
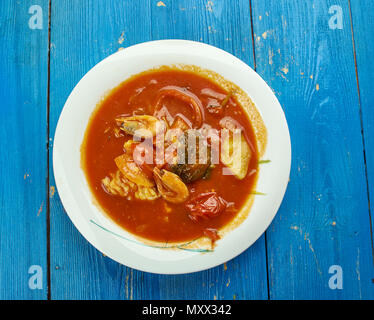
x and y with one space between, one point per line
23 153
85 32
226 25
363 25
324 219
82 34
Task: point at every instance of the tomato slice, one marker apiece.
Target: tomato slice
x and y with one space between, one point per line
206 205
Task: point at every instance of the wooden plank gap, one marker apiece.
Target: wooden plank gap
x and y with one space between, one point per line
253 42
255 68
48 148
267 265
362 127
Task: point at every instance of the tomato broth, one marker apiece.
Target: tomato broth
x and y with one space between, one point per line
160 220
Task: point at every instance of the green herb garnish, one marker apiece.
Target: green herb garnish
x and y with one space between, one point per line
258 193
263 161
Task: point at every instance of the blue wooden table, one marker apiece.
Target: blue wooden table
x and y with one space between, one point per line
316 55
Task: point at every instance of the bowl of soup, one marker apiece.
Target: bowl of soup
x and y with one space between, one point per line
171 156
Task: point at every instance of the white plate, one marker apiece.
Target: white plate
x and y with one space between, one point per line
73 188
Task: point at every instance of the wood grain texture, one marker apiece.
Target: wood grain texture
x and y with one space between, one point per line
85 32
363 24
23 153
324 219
82 34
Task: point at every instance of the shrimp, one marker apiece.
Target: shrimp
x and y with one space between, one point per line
132 171
142 126
170 186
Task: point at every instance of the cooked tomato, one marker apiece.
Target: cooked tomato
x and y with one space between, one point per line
206 205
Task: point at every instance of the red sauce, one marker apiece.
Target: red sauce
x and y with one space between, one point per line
160 220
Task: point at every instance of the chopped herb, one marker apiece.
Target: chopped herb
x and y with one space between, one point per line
258 193
226 100
264 161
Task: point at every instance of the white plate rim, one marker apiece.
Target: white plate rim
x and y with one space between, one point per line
173 267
